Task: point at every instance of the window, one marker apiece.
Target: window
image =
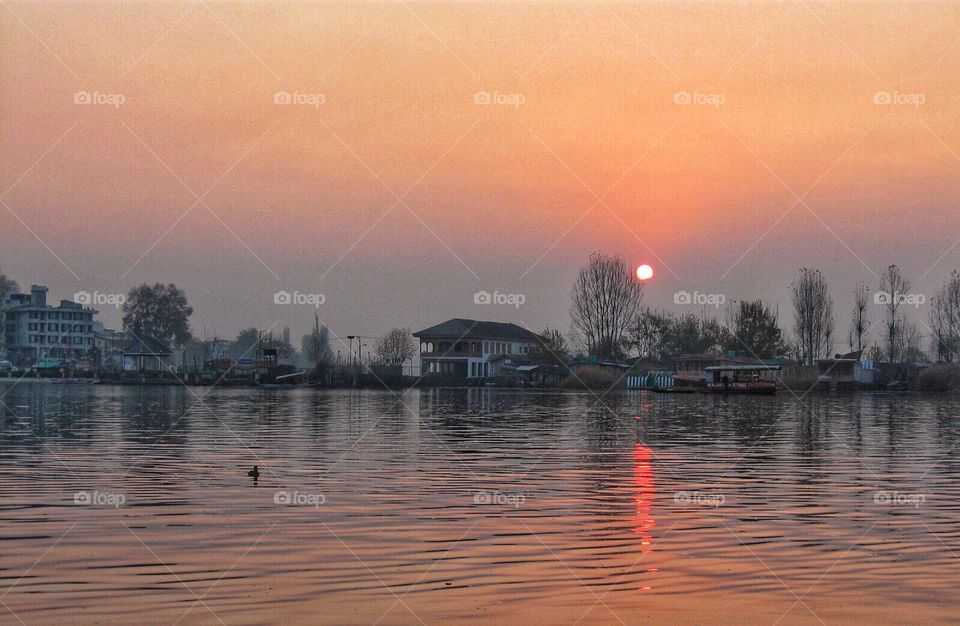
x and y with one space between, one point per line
54 315
32 326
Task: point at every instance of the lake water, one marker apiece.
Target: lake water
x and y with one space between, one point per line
132 505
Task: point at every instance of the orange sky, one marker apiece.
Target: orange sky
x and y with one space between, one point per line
494 197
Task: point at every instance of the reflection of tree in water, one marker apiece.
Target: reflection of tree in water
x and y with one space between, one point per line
812 430
153 415
947 427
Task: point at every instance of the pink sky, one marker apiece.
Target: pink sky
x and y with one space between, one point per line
494 197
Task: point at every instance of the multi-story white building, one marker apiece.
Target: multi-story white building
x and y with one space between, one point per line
464 348
35 330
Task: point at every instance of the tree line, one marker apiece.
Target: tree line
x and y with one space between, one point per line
609 320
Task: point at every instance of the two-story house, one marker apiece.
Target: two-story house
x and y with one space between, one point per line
463 348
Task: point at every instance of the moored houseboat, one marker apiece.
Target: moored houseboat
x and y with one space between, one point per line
752 379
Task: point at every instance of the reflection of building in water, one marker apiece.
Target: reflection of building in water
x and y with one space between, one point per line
646 490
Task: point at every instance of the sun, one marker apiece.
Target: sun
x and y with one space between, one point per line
644 272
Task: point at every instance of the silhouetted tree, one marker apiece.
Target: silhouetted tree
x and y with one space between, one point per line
396 347
7 287
552 345
945 319
659 336
160 311
649 334
755 328
245 345
893 287
812 315
605 301
860 323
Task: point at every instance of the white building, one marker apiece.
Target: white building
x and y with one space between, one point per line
462 348
35 330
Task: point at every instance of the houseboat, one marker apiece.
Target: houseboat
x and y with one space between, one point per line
753 379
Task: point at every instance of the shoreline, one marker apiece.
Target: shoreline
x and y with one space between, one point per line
531 390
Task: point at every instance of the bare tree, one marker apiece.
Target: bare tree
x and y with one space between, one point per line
859 323
910 342
893 289
945 319
396 347
812 315
552 345
606 299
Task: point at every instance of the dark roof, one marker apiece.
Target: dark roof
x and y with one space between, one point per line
459 327
855 355
146 346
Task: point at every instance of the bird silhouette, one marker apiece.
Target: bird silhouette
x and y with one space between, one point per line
254 473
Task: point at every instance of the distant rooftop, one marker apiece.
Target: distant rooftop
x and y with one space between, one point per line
146 346
460 327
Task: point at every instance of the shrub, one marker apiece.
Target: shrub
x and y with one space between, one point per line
940 377
594 377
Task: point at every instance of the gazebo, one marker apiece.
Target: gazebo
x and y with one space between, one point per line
145 354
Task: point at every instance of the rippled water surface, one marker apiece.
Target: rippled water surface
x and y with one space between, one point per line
132 505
